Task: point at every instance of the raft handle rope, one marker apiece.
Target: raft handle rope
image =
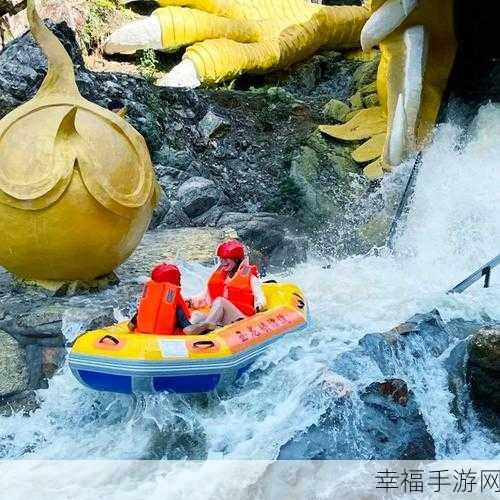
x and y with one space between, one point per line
204 344
107 338
477 275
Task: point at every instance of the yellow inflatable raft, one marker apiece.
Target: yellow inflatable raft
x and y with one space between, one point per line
115 359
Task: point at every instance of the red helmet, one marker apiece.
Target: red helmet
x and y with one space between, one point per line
231 249
166 273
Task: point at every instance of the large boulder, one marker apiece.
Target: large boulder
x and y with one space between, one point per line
197 195
483 372
385 424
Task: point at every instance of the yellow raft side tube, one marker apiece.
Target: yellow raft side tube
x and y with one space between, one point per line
115 359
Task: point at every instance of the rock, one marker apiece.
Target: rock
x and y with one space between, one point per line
187 244
52 359
292 251
197 195
336 110
14 372
212 216
304 172
356 101
262 231
395 423
175 217
210 124
371 100
423 334
161 209
483 372
386 424
366 73
375 231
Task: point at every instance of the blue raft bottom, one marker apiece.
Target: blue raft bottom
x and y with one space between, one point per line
123 383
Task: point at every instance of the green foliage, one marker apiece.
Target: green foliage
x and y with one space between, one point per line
147 64
97 24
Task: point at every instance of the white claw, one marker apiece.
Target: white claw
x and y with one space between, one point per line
183 75
397 140
384 21
415 62
137 35
409 5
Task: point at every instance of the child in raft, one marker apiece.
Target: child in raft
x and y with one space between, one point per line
233 291
162 310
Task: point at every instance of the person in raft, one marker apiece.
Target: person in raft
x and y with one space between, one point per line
162 310
233 291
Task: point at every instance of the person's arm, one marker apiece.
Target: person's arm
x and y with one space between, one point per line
258 293
200 300
182 321
132 324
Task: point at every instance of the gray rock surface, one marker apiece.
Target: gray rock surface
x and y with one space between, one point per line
197 195
242 140
14 371
384 424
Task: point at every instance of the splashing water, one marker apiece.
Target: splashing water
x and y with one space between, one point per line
452 228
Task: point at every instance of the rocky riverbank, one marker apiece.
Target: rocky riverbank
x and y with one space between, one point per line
251 148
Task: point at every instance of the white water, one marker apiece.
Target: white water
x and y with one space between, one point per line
453 227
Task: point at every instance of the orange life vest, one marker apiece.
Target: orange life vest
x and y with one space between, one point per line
238 289
158 307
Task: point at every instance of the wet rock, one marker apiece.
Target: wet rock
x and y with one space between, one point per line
14 371
394 422
483 372
46 323
385 424
210 124
52 360
197 195
24 403
422 334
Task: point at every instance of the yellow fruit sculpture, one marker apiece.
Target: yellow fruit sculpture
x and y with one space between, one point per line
225 38
77 186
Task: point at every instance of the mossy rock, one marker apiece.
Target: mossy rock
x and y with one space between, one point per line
336 110
344 165
371 100
365 74
371 88
356 101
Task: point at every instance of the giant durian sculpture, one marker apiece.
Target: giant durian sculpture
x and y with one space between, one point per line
225 38
77 186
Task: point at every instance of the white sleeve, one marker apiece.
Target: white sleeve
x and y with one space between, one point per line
258 293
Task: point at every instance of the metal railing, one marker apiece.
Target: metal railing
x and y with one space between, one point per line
477 275
403 208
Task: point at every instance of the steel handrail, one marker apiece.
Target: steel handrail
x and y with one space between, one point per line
477 275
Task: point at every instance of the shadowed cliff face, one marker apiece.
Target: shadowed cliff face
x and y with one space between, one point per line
475 79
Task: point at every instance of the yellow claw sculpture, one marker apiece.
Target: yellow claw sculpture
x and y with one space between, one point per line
225 38
77 186
418 46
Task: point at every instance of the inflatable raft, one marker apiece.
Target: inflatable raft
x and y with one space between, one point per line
115 359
